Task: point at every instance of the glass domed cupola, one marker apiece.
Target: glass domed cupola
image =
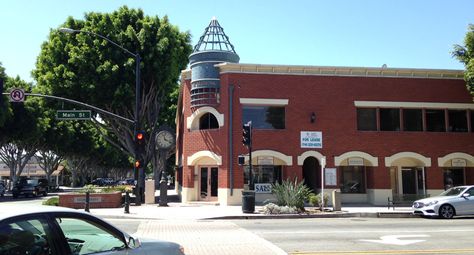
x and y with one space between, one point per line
213 48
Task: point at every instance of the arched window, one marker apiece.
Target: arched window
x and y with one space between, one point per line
208 121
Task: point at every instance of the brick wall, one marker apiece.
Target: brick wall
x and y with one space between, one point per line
331 98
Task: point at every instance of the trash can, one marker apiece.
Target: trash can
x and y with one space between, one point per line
248 201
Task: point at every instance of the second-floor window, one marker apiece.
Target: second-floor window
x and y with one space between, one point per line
264 117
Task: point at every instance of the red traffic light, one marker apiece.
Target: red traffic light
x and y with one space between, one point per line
138 163
140 136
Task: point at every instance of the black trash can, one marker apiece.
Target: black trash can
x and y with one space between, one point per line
248 201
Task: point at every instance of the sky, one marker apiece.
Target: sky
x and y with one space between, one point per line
360 33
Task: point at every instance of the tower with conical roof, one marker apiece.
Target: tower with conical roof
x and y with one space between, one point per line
213 48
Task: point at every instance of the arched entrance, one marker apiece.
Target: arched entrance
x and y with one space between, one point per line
311 172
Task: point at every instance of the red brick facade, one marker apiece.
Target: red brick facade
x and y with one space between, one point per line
332 99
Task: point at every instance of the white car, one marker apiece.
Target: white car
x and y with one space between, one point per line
455 201
62 231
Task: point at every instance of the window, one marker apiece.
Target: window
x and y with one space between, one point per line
435 121
85 237
453 177
457 120
366 119
263 174
264 117
472 120
353 179
31 236
208 121
412 120
389 119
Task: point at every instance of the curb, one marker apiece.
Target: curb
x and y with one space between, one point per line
283 216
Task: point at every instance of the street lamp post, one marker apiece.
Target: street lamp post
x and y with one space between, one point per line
141 175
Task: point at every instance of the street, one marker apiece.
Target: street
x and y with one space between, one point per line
301 236
348 235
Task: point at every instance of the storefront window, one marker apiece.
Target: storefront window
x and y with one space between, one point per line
353 179
453 177
264 117
263 174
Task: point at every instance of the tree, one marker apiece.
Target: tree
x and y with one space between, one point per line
89 69
4 110
20 131
465 54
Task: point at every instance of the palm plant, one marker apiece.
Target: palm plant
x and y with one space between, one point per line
291 193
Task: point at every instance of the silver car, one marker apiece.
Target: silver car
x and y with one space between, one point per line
452 202
62 231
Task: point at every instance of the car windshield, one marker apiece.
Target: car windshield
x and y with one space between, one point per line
453 191
32 182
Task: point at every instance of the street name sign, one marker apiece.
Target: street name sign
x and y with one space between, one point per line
73 114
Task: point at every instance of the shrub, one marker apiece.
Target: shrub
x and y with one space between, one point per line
54 201
291 193
315 200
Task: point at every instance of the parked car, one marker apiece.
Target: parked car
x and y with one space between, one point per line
452 202
64 231
129 181
30 187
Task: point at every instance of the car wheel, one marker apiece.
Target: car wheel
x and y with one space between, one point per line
446 212
15 195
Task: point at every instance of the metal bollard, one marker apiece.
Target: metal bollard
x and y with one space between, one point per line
87 201
127 202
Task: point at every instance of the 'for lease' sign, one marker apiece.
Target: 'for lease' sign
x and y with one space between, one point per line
311 139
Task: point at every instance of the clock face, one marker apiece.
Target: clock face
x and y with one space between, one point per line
164 139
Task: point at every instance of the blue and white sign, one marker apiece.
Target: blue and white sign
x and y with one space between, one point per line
311 139
263 188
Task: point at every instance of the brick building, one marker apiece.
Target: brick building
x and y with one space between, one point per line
377 132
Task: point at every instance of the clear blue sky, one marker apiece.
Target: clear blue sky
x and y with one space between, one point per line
368 33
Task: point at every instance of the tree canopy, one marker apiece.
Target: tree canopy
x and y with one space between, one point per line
89 69
465 54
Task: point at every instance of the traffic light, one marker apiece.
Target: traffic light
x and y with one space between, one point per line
140 142
138 163
247 134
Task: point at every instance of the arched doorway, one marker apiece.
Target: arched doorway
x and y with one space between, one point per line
311 172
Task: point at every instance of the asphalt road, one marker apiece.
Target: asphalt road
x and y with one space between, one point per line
341 235
357 235
367 235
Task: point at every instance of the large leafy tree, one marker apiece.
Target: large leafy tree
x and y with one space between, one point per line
20 132
87 68
465 54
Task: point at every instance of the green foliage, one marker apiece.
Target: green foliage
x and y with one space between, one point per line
291 193
315 200
465 55
108 189
86 68
53 201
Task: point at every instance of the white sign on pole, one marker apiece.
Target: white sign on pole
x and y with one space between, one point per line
311 139
330 176
17 95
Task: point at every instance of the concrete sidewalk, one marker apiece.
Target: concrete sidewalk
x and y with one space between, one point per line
202 211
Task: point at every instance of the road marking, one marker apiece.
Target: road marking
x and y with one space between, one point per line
360 231
450 251
395 239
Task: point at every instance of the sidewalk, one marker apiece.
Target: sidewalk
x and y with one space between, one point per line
203 211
